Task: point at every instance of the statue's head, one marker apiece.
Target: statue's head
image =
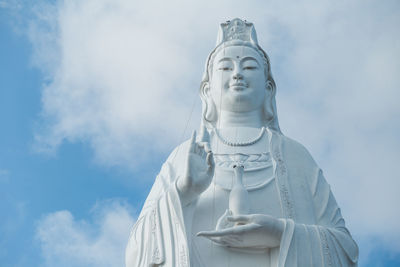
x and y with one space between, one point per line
238 76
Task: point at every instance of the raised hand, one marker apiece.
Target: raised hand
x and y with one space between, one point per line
199 169
255 231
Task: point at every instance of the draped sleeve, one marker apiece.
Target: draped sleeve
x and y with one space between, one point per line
158 237
315 232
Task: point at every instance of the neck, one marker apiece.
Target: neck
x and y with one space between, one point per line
228 119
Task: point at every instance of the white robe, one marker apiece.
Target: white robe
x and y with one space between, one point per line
314 235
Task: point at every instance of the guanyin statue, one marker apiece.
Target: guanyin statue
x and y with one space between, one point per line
240 193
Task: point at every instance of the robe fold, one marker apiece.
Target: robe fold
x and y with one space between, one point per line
314 235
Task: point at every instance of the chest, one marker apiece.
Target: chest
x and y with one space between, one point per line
263 197
213 203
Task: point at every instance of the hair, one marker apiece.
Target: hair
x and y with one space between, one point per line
209 112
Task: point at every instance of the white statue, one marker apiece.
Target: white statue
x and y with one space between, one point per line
240 193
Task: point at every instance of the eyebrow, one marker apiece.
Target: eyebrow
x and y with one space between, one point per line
249 58
224 59
241 61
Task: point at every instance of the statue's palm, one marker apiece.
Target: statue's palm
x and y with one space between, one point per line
199 169
253 231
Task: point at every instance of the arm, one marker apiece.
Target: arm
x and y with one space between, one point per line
317 234
158 236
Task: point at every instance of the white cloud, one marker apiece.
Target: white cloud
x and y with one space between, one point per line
122 76
67 241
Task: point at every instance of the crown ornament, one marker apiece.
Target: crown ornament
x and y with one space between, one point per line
237 30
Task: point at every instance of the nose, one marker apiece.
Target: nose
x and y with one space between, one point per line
237 76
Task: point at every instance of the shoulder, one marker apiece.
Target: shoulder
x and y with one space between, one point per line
179 152
297 157
175 163
294 150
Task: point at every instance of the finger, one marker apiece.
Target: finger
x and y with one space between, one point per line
203 233
229 231
240 218
218 240
220 233
232 240
204 136
210 163
229 241
201 147
207 147
210 160
193 142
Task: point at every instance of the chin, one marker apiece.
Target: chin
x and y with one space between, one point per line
243 100
242 109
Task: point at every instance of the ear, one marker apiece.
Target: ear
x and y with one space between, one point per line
270 86
205 90
209 109
268 102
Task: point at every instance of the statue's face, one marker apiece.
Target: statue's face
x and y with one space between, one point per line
238 81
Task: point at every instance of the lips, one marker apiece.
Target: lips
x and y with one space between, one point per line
238 86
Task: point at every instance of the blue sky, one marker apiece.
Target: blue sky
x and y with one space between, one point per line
87 92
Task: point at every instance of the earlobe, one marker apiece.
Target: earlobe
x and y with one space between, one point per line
268 110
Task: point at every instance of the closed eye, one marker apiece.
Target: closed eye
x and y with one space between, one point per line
224 68
250 68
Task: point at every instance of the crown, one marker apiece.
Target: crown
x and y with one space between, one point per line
237 29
